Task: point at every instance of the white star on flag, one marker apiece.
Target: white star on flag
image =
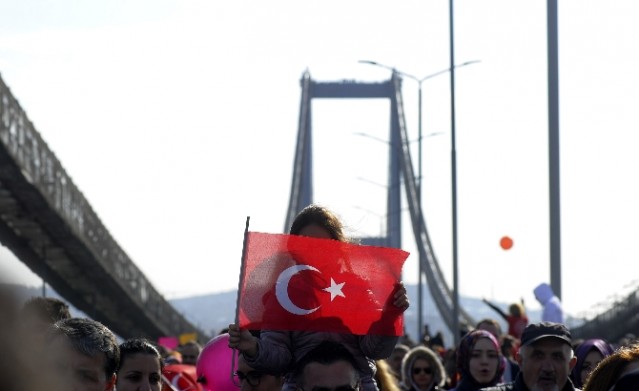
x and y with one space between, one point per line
335 289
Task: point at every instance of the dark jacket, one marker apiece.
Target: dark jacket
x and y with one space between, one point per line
519 385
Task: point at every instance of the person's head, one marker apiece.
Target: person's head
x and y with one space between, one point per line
490 325
589 354
508 346
395 359
140 366
479 359
516 309
622 362
421 369
318 221
627 340
437 341
327 367
543 293
38 313
250 379
190 351
82 354
172 357
545 356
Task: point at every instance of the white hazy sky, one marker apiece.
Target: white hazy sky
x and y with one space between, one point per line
177 119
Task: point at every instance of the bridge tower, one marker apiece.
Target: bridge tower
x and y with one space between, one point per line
302 182
400 167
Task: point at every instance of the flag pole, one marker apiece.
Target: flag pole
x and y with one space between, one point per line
166 381
239 287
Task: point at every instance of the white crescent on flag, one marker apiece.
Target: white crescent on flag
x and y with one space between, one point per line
281 290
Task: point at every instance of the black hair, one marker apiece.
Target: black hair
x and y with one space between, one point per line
321 216
138 345
326 353
89 337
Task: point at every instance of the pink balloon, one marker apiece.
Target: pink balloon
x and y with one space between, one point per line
213 366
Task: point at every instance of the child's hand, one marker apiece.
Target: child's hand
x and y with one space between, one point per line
242 340
400 297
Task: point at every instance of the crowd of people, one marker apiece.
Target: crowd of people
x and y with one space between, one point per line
51 350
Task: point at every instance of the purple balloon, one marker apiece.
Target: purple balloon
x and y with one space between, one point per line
213 366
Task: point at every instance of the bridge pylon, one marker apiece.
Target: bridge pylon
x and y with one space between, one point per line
400 167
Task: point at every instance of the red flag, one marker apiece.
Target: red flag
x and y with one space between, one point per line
294 282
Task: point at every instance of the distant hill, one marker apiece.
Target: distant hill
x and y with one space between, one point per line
213 312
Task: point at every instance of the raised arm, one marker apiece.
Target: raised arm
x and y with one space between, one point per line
499 310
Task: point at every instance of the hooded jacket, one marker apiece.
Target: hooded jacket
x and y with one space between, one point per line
552 305
439 374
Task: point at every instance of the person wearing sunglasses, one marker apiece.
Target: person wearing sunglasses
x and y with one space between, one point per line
422 370
479 361
248 379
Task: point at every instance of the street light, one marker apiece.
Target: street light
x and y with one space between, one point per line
419 81
379 216
419 103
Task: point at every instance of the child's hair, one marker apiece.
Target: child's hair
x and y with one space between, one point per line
516 309
321 216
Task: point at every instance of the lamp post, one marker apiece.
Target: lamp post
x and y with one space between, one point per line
379 216
420 80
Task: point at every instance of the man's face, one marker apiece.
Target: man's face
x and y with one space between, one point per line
71 370
338 376
545 364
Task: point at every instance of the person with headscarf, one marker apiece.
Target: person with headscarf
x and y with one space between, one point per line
422 370
589 354
479 361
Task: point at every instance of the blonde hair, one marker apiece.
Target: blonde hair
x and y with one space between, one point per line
384 377
516 309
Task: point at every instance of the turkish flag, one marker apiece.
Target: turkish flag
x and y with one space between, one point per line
180 377
290 282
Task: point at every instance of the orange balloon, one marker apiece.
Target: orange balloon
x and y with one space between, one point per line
506 243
